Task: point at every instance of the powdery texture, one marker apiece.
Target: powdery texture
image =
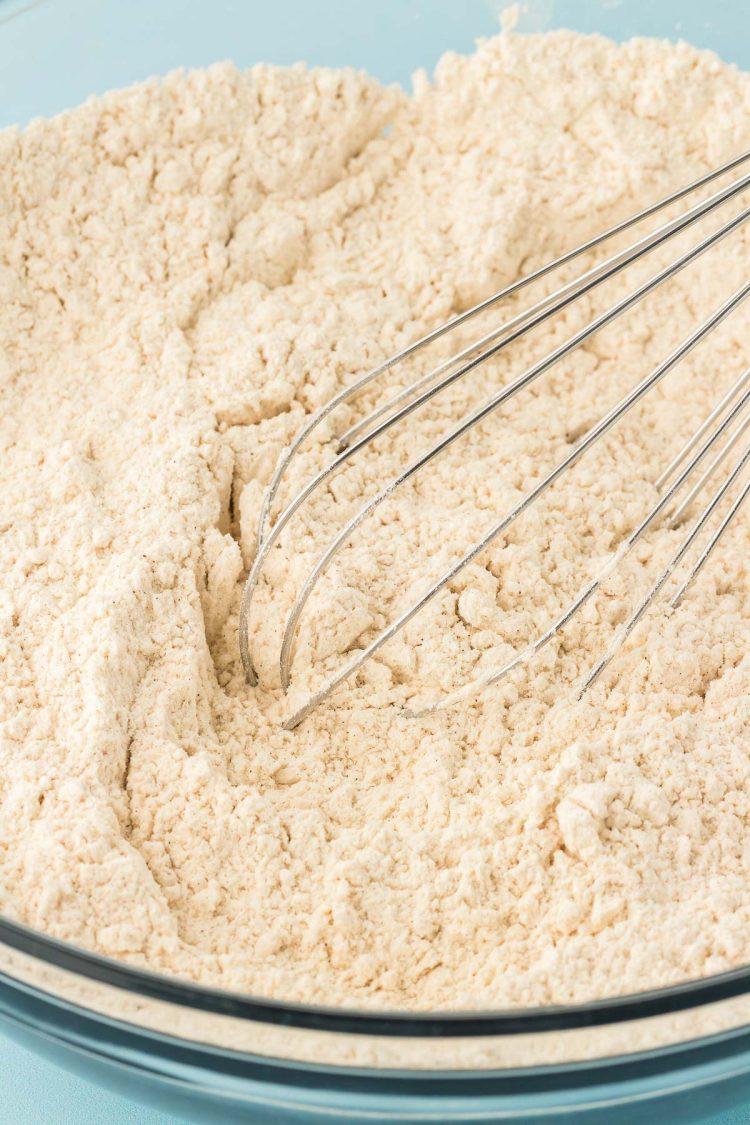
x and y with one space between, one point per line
187 269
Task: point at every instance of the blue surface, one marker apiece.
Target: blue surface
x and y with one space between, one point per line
113 44
36 1093
54 53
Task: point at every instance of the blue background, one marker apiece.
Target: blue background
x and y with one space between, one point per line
35 1093
54 53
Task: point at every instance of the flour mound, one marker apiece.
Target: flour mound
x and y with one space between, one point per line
187 270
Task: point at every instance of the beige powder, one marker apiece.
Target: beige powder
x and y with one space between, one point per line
186 270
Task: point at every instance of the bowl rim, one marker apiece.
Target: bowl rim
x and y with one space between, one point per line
686 995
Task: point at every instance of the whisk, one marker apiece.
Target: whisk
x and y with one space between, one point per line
692 468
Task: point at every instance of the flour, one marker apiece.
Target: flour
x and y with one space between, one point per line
190 267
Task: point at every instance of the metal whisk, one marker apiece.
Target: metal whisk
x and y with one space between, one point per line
720 432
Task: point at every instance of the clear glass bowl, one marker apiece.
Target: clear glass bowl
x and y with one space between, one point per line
680 1055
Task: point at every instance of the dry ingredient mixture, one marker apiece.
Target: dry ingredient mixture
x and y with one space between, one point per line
187 268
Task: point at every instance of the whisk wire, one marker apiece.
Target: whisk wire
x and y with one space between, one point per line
693 440
532 649
676 518
493 403
622 634
319 416
718 534
590 438
727 422
514 330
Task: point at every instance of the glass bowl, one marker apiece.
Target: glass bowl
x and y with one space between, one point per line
680 1054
